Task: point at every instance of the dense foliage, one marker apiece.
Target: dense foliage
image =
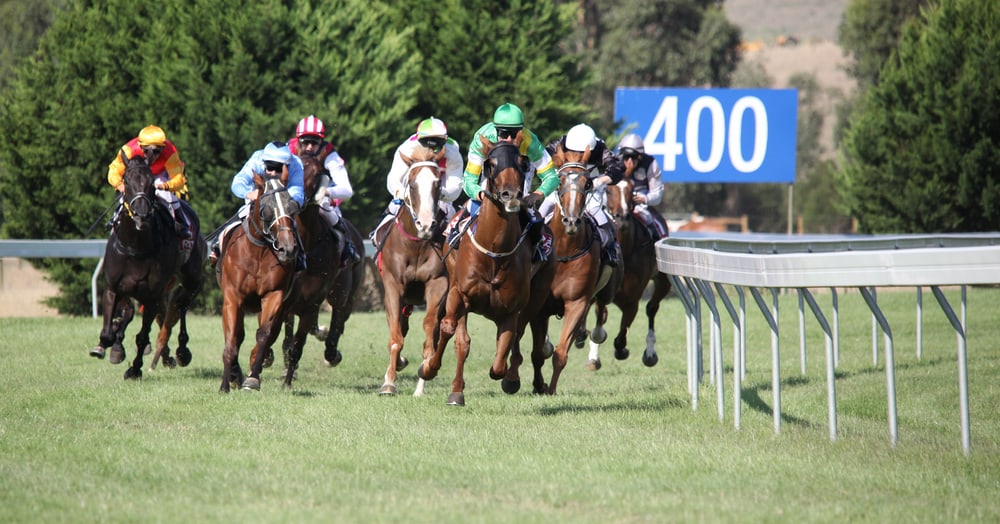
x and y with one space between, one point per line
922 152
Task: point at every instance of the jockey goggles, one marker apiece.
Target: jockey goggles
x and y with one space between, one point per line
630 154
507 132
310 140
434 143
272 166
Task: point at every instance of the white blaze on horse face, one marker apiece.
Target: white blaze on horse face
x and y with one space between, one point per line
622 195
426 180
574 209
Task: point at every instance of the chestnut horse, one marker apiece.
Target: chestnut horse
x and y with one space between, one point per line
313 284
580 277
491 273
410 261
639 260
144 261
255 273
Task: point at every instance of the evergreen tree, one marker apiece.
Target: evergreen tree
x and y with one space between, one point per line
922 153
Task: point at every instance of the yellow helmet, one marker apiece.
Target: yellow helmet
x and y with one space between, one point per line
152 136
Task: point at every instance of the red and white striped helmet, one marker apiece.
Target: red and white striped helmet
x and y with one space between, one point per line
310 125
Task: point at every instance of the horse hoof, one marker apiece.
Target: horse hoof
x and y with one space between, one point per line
580 340
97 352
456 399
320 333
621 354
149 349
650 360
424 372
598 335
116 356
269 358
251 384
548 349
593 364
133 374
511 386
334 359
401 363
387 390
183 356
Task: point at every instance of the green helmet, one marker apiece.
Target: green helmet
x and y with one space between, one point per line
508 115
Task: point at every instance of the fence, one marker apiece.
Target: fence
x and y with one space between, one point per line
699 264
92 248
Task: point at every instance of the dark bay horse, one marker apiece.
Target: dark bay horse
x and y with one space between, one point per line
639 261
144 261
311 286
410 261
491 273
255 272
580 277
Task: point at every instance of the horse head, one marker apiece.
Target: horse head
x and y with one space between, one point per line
504 171
619 203
574 188
315 178
422 189
273 215
140 194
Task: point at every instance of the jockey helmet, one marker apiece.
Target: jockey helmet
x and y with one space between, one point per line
310 125
276 153
580 137
631 141
508 115
152 136
432 134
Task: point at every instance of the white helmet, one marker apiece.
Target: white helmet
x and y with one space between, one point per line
631 141
580 137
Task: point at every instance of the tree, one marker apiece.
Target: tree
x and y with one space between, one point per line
223 78
869 32
922 152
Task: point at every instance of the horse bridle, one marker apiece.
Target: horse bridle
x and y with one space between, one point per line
273 188
576 172
491 173
406 187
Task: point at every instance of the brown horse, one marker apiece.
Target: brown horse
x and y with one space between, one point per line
143 261
639 261
491 274
410 261
580 277
255 272
315 283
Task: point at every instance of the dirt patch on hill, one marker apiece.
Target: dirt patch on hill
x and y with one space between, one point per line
22 288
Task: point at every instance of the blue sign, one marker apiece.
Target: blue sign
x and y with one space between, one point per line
714 135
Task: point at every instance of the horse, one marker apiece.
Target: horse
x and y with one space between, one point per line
639 260
491 274
411 262
144 261
311 286
255 272
580 277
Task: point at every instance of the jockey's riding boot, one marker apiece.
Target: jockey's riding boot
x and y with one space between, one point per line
213 254
183 229
539 254
349 255
455 227
609 253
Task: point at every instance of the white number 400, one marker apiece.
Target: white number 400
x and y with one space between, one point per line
670 148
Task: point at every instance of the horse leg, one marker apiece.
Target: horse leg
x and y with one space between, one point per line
629 309
107 335
287 346
331 351
661 287
295 352
539 352
507 335
271 313
233 332
597 336
449 312
167 320
149 314
462 342
574 318
125 310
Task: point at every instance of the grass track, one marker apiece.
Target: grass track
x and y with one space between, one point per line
79 444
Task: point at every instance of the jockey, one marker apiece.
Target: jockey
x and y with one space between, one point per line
647 186
309 140
507 124
605 168
431 134
272 159
165 163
